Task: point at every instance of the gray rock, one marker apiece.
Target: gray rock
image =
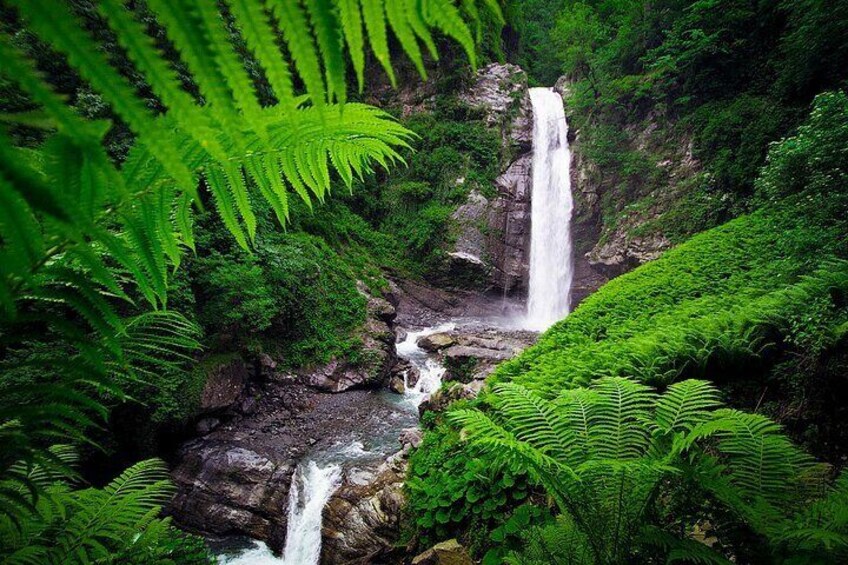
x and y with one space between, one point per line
224 385
492 234
462 352
500 90
508 224
226 488
378 352
435 342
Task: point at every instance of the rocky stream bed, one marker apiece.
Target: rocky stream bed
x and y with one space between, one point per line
265 427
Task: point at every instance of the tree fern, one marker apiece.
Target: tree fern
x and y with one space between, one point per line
608 454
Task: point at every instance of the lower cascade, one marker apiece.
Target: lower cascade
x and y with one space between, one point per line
311 488
551 263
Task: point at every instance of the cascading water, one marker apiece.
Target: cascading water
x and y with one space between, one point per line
308 494
430 370
551 267
311 488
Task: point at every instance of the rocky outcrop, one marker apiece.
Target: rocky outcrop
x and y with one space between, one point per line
508 223
627 234
471 357
362 518
377 358
492 234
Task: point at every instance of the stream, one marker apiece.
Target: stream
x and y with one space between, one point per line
321 472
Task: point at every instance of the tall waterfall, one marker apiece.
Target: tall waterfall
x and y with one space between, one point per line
551 265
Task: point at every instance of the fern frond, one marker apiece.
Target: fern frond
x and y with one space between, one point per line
685 404
374 16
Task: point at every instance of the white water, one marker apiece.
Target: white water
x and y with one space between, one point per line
308 494
551 268
429 369
311 488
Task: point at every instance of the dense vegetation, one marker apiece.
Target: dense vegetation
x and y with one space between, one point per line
89 238
756 305
186 182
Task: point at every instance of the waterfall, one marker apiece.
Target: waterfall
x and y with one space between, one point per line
551 266
310 490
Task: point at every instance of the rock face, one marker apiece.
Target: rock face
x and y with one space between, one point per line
362 518
608 246
224 385
492 234
378 345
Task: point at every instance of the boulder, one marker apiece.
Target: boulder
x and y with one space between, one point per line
225 383
404 371
397 385
449 552
362 518
445 396
435 342
464 352
227 488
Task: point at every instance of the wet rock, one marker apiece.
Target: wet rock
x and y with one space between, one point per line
400 335
411 437
447 395
224 385
466 352
449 552
225 488
435 342
508 226
397 385
362 518
403 370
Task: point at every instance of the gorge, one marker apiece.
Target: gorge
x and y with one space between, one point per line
423 282
319 474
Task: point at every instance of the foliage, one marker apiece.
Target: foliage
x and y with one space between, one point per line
449 492
725 305
813 162
455 153
86 240
612 455
114 524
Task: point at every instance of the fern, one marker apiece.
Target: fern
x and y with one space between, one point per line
607 454
82 238
93 525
